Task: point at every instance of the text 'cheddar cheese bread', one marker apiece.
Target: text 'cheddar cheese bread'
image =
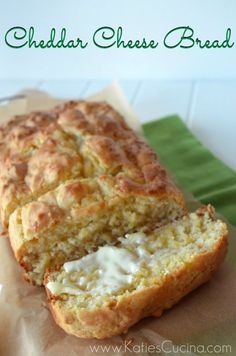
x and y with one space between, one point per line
76 178
106 292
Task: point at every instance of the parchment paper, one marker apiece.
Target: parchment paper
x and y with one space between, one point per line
205 317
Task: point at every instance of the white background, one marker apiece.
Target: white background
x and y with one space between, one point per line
139 18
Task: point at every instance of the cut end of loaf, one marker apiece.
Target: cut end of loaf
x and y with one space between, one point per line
76 219
151 272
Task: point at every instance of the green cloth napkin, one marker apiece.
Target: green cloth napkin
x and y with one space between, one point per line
195 168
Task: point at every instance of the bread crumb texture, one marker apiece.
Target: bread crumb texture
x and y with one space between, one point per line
107 291
75 178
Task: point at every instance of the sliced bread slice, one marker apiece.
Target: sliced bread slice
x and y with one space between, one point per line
77 217
104 293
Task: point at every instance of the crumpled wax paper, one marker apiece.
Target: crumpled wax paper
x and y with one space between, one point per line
204 318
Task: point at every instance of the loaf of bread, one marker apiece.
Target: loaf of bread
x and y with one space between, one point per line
75 178
40 150
107 291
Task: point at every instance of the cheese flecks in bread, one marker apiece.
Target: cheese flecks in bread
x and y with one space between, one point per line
76 218
42 150
75 178
104 293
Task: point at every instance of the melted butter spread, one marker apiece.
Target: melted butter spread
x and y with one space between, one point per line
109 269
114 268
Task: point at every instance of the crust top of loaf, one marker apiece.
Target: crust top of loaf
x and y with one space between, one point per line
41 150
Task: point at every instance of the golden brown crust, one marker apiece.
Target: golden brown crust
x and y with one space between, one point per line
118 316
41 150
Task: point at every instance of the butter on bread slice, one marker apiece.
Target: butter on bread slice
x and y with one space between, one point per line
104 293
78 217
